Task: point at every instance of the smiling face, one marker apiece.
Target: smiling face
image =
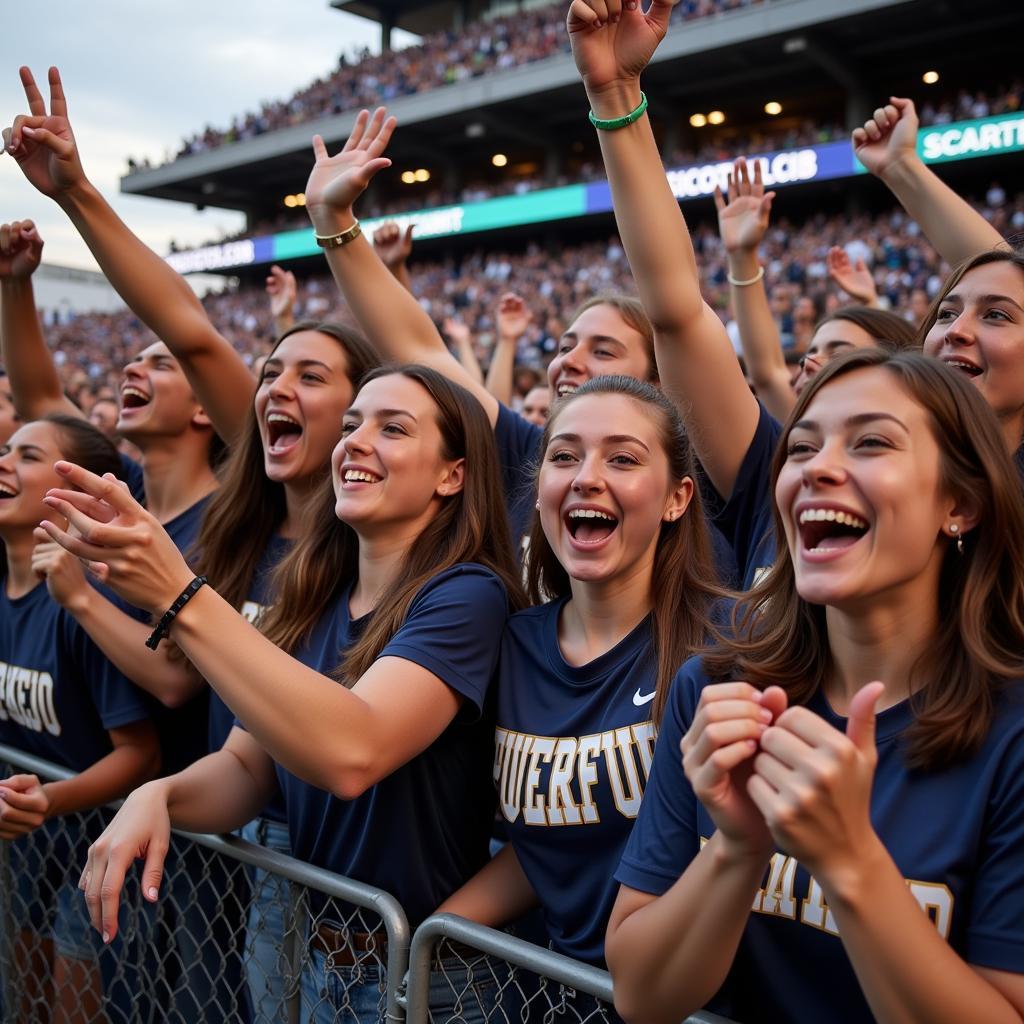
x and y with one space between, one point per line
156 398
598 343
833 338
860 493
604 488
389 470
302 396
979 331
26 474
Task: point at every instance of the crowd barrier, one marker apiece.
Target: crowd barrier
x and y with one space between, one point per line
242 933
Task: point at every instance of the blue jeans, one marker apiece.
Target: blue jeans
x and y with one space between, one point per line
266 959
356 995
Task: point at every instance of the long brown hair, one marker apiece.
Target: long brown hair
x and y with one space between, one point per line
779 638
469 527
683 583
891 332
248 508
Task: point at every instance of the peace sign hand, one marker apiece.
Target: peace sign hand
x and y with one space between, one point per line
42 142
336 182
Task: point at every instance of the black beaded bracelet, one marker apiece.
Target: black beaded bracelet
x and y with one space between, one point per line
163 627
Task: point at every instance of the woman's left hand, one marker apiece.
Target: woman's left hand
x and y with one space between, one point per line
23 806
812 783
122 544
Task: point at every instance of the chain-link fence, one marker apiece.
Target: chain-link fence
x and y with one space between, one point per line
239 933
461 971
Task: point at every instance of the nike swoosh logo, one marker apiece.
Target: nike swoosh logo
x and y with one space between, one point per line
640 699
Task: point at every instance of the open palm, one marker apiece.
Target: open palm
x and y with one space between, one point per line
743 219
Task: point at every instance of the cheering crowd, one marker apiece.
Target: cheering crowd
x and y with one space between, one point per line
735 648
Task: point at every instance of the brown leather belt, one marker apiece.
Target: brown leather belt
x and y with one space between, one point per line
346 948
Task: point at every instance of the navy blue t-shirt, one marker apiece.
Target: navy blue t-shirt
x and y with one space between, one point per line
131 474
573 749
222 718
746 518
956 835
423 831
60 695
518 443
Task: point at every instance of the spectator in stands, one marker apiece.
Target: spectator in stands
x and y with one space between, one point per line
405 575
537 405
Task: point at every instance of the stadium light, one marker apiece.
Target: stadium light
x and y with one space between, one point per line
930 77
422 174
290 201
499 160
698 120
716 117
300 199
408 177
773 108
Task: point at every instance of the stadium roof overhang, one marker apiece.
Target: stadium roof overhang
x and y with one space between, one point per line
420 17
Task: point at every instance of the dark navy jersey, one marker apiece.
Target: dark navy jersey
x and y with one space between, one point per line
745 519
60 695
955 834
518 443
131 474
222 718
573 749
423 831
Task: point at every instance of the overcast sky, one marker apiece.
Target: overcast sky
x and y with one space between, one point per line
140 77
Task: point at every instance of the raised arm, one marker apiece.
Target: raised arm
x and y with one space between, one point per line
390 316
461 339
45 149
512 319
281 290
394 247
698 368
742 223
887 147
854 278
35 385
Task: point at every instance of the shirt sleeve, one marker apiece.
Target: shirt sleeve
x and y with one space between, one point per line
518 443
665 837
995 928
116 699
746 517
454 629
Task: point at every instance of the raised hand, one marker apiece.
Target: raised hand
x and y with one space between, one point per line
140 829
513 317
21 249
613 40
854 278
42 143
23 805
336 182
812 784
743 219
457 332
718 751
122 543
64 575
888 137
393 245
282 289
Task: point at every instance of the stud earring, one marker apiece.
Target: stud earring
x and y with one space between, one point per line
954 529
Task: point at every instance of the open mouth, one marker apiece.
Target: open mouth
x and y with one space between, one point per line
964 367
829 529
283 433
133 398
355 476
7 491
566 388
590 527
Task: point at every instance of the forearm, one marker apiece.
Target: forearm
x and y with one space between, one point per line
125 768
759 335
907 970
948 221
400 272
669 957
315 728
163 300
467 357
497 894
35 385
283 322
501 372
123 640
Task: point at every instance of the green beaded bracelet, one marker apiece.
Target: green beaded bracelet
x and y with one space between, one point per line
611 123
